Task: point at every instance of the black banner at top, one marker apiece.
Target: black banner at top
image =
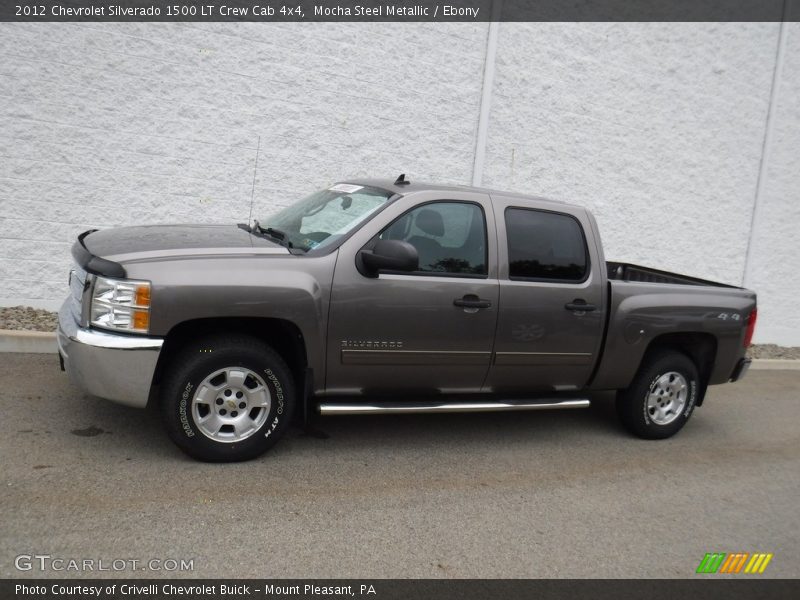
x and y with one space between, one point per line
395 10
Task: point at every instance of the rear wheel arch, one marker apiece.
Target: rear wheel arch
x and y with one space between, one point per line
699 347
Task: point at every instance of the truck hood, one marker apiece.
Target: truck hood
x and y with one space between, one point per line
125 244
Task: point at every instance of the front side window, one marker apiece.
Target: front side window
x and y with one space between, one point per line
450 237
545 245
322 218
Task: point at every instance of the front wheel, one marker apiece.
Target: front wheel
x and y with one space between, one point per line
229 398
662 396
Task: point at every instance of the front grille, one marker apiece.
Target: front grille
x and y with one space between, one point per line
77 281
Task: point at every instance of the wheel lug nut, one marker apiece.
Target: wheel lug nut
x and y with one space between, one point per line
222 411
239 394
227 392
234 413
219 401
242 404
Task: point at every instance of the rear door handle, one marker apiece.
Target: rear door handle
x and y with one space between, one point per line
579 305
471 301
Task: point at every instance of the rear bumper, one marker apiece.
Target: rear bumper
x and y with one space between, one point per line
112 366
741 369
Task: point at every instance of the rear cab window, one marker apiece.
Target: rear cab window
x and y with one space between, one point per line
545 246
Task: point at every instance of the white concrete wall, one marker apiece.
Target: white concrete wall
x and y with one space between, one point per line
658 128
774 267
118 124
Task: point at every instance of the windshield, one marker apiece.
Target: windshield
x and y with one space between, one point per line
325 216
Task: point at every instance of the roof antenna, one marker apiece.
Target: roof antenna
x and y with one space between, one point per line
402 180
253 190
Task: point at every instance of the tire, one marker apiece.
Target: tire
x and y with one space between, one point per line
229 398
662 396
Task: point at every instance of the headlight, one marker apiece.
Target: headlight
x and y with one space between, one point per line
121 304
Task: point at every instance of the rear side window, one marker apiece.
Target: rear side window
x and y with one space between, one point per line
545 245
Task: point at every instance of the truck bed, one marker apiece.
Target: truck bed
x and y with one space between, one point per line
618 271
639 312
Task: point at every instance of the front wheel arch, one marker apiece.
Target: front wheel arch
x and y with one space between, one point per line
283 336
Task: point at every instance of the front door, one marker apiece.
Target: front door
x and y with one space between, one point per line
427 332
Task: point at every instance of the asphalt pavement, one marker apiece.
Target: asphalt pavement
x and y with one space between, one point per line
540 494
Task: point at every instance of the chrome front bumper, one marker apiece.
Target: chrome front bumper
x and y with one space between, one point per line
112 366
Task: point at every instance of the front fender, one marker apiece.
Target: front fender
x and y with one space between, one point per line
291 288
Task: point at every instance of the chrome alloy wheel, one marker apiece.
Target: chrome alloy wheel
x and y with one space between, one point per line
231 404
667 398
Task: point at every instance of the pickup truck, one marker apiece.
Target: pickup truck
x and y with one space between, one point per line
389 296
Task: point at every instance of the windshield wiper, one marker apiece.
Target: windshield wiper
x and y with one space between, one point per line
277 234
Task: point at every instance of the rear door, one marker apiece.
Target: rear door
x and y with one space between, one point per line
417 332
551 297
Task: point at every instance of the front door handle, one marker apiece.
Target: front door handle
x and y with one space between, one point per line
471 301
579 305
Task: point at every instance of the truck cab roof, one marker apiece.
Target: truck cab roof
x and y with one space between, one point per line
391 185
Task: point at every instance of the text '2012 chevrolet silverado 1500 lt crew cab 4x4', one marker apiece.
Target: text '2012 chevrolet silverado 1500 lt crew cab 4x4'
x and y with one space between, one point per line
389 296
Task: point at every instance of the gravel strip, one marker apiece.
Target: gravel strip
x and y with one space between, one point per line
37 319
773 351
28 319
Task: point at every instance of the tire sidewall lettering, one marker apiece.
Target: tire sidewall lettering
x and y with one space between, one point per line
646 396
183 413
273 380
276 384
692 398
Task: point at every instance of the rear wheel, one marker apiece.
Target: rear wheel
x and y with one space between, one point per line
229 398
662 396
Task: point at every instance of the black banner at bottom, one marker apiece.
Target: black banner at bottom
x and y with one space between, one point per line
397 589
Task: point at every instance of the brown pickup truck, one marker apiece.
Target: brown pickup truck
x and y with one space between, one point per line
383 296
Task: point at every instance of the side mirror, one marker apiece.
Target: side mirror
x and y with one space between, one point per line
390 255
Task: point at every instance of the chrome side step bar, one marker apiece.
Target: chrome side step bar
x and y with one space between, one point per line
381 408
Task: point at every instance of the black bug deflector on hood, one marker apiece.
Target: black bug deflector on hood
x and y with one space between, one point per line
105 252
94 264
